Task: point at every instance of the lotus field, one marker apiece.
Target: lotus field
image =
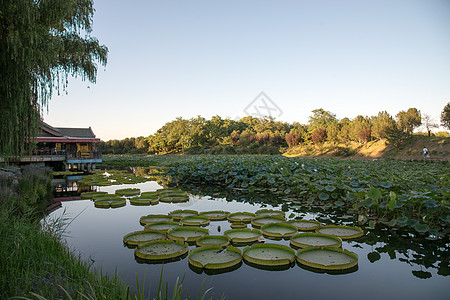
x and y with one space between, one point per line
406 194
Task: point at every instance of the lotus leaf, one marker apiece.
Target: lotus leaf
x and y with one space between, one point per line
261 220
179 214
269 212
213 240
215 257
139 237
309 239
269 254
215 215
161 249
305 225
238 225
327 258
186 233
163 226
344 232
244 235
279 230
244 217
195 220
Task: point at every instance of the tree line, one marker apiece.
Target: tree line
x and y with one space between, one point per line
266 135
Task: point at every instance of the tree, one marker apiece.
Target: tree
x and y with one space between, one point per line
321 119
445 116
428 123
319 136
42 43
383 124
409 120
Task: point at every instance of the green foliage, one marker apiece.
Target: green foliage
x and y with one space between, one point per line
408 120
445 116
42 43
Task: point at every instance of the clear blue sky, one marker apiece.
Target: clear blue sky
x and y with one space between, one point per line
188 58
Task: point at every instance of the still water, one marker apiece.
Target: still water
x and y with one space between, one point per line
389 267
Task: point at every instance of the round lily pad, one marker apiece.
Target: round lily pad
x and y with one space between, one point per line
279 230
344 232
244 235
139 237
259 221
144 220
105 196
213 240
140 202
150 195
173 199
162 226
269 254
215 215
310 239
305 225
327 258
128 192
195 221
244 217
161 249
269 212
110 202
186 233
238 225
179 214
89 195
215 257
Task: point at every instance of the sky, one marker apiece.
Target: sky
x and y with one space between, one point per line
233 58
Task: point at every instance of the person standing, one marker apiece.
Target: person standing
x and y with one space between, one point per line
425 153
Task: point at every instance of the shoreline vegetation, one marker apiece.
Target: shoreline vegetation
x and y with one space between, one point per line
35 261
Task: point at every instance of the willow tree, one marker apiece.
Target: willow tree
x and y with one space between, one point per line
42 44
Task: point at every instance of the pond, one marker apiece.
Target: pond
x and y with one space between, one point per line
392 264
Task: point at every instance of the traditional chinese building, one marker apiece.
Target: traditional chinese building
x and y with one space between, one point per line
65 148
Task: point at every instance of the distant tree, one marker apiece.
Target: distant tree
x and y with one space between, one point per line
382 124
445 116
42 43
409 120
428 123
333 131
321 119
359 127
292 139
319 136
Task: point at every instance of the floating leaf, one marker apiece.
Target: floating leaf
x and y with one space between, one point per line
374 194
422 274
330 188
421 227
324 196
392 222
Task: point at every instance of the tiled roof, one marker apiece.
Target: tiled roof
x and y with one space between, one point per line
50 131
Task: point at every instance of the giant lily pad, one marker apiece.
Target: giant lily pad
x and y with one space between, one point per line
139 237
215 257
305 225
89 195
162 226
161 249
244 235
150 195
309 239
179 214
195 221
269 254
128 192
259 221
238 225
244 217
186 233
110 202
173 199
144 220
279 230
327 258
269 212
344 232
213 240
215 215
